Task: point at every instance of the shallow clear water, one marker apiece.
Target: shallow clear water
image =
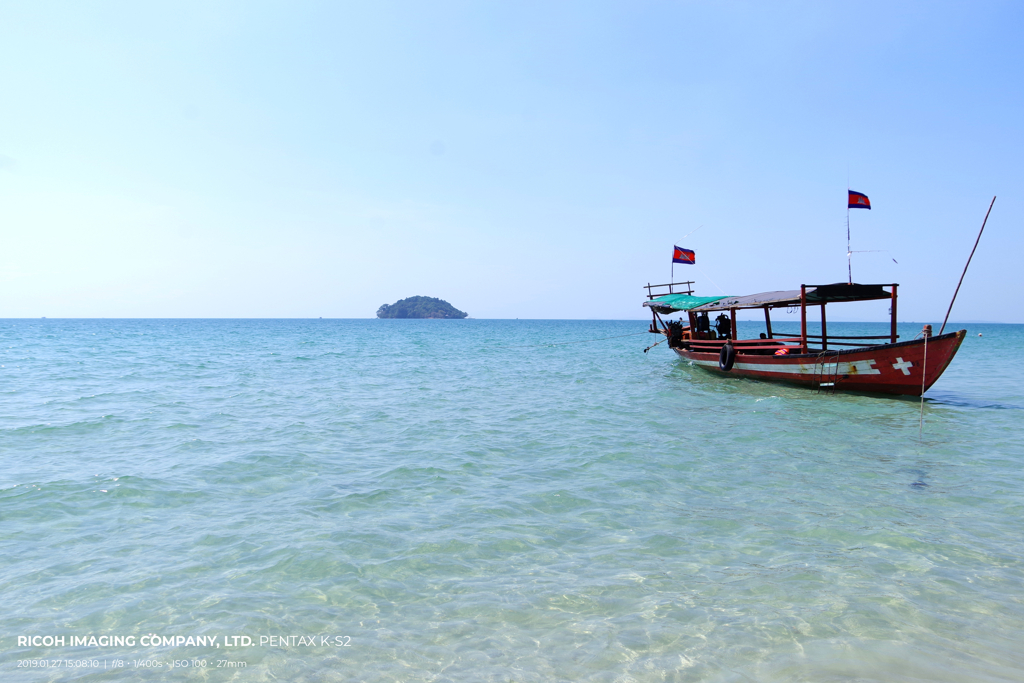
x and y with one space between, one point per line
467 501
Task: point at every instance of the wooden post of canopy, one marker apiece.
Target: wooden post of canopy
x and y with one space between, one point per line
768 322
892 326
732 314
803 318
824 329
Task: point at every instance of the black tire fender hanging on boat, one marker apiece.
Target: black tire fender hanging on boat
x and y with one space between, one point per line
726 357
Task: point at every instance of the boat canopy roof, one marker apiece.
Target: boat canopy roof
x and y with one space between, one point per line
670 303
817 294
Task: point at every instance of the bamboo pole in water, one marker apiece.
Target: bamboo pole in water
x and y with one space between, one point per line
968 264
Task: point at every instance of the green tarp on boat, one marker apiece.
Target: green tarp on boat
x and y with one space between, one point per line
669 303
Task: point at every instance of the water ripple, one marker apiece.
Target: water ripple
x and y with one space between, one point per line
463 510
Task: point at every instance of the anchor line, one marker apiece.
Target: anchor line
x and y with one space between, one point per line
924 371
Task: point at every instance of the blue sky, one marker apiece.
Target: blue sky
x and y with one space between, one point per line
530 160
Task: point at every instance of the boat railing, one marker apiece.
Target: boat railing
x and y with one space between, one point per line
744 345
774 343
859 340
671 288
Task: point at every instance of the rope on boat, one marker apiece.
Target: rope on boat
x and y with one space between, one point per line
924 371
653 345
580 341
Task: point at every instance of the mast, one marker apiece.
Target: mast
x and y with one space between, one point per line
849 266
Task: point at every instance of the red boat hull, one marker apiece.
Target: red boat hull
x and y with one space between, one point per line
886 368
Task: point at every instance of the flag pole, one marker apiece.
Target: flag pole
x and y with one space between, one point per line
849 265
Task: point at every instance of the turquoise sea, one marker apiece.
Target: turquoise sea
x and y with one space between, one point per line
481 500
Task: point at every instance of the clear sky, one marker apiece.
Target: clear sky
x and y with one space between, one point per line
518 159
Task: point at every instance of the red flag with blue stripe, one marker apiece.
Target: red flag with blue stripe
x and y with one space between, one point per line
680 255
858 200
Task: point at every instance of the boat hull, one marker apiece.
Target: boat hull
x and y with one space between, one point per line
886 368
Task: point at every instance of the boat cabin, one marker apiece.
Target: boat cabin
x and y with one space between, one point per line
706 331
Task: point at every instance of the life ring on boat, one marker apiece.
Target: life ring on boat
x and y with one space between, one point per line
726 357
782 352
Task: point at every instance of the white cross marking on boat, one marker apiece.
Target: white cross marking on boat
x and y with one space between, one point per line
863 367
901 364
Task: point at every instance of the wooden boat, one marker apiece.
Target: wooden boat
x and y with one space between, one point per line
820 361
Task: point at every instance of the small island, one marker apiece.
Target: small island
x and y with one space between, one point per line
420 307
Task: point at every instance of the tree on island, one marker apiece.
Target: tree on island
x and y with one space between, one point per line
420 307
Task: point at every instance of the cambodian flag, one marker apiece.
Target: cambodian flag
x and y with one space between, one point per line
681 255
859 200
